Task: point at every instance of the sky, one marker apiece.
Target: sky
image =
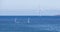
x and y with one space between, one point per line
30 7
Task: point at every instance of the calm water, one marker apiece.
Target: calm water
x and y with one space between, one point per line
29 23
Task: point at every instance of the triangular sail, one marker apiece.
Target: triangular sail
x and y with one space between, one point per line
28 20
15 20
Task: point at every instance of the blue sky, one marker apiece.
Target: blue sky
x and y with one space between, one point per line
30 7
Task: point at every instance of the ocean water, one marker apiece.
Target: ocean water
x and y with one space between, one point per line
29 23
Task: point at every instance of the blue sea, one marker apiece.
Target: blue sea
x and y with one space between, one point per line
29 23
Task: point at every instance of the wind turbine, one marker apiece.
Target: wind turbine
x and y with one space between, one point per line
39 10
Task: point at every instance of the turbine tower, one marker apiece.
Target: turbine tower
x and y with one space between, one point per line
39 9
39 12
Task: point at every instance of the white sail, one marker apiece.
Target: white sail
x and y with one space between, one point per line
15 20
28 20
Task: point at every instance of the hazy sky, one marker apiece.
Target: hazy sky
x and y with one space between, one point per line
29 7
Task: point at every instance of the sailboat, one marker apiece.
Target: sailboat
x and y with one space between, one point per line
16 20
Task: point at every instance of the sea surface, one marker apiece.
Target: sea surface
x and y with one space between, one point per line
29 23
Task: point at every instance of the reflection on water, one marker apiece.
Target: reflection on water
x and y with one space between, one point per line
35 24
29 28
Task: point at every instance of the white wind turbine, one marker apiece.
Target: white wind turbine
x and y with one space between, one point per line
40 9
